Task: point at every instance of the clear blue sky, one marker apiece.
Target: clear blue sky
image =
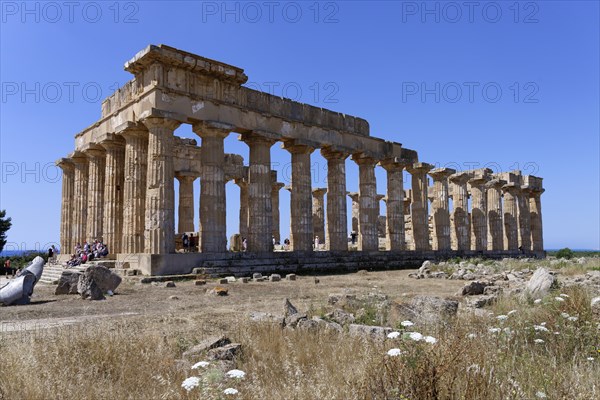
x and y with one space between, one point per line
498 85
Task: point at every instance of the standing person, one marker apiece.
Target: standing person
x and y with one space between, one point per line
316 242
50 253
186 242
7 268
192 243
245 244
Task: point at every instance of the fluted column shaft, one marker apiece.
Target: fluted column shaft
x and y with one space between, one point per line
80 196
301 232
259 193
95 212
336 238
524 219
535 208
134 193
318 213
460 232
494 215
66 210
511 224
213 225
394 206
419 206
478 214
368 218
159 232
113 195
244 208
275 187
185 211
441 209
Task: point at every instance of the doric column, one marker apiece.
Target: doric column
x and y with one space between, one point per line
95 212
243 227
80 195
440 206
535 209
460 232
394 205
66 209
419 207
112 224
368 239
260 217
185 212
494 214
478 211
213 225
318 213
275 188
355 211
336 238
524 218
301 234
134 193
159 232
511 224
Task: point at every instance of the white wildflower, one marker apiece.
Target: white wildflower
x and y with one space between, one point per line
538 341
236 373
572 319
430 339
559 299
502 317
471 336
540 395
511 312
416 336
202 364
494 330
537 301
190 383
406 323
557 333
393 335
230 391
543 324
540 328
590 358
564 295
394 352
564 315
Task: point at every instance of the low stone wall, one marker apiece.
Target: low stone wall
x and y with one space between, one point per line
244 264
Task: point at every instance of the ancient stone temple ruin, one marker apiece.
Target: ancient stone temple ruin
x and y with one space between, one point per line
118 184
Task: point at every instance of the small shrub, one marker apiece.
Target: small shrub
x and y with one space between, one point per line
565 253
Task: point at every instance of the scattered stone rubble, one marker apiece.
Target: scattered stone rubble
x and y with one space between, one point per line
93 283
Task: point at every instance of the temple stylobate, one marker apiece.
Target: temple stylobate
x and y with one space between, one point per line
118 183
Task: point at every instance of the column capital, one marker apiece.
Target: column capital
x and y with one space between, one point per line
154 122
536 193
480 180
459 178
331 153
511 188
277 186
66 164
183 175
379 197
114 143
361 159
419 168
495 184
319 192
298 147
212 129
353 195
394 164
94 151
259 136
439 174
131 130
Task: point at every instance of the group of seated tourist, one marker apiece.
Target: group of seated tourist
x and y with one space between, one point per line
88 252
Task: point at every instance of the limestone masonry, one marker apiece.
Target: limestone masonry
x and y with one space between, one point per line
118 183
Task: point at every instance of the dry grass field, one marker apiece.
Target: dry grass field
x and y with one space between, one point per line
130 346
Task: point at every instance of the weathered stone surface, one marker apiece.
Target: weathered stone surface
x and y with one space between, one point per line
293 320
275 278
88 289
217 291
223 281
67 284
341 317
541 282
474 288
290 277
207 344
200 282
170 284
426 267
288 308
368 332
481 301
97 280
256 275
595 304
425 309
226 352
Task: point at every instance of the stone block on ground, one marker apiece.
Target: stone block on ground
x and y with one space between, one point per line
290 277
217 291
541 282
170 284
368 331
200 282
474 288
275 278
67 283
256 275
207 344
226 352
342 317
223 281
